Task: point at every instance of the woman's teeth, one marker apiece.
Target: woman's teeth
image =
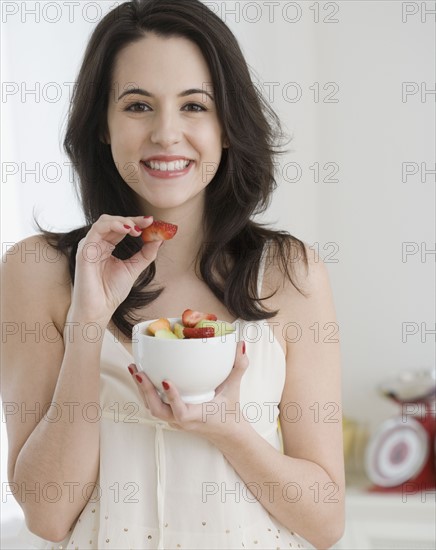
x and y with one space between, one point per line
168 166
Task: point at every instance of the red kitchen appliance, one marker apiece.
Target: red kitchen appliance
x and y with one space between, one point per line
401 455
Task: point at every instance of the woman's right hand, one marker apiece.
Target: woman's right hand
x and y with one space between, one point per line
103 282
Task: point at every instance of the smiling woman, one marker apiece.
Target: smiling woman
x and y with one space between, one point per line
173 131
174 122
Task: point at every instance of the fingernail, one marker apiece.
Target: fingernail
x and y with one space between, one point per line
147 217
165 386
131 370
161 243
126 226
243 347
139 378
136 228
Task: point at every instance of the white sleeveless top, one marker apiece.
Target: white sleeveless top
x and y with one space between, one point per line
163 488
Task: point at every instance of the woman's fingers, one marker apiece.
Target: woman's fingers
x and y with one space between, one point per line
241 362
178 407
113 229
107 232
157 407
102 281
142 259
238 371
175 411
132 368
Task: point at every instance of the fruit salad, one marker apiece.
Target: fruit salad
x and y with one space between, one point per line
195 324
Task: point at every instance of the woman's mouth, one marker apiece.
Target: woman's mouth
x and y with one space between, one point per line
175 165
171 169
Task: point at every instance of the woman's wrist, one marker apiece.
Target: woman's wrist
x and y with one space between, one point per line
230 433
84 318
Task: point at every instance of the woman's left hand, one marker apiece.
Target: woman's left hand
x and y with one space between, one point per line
217 417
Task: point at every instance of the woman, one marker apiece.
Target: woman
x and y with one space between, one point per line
164 125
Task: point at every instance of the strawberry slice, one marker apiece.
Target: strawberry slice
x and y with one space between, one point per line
190 318
203 332
159 231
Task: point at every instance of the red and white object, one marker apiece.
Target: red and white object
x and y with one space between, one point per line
401 454
397 452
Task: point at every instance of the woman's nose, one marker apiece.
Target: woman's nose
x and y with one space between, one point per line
166 129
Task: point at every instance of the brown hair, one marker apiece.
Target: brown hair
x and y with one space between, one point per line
233 242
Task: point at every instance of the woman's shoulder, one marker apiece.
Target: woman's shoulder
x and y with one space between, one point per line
36 275
36 254
292 265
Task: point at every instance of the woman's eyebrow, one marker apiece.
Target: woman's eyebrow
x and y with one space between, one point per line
140 91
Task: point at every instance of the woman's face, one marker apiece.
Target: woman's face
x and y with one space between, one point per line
164 132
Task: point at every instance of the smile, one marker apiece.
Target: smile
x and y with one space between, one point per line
165 170
173 166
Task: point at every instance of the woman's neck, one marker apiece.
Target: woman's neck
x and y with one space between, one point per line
178 255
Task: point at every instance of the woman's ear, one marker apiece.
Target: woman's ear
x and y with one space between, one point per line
226 143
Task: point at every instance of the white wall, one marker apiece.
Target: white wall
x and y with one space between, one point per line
360 223
372 212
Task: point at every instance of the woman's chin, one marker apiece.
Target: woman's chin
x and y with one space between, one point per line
173 200
164 203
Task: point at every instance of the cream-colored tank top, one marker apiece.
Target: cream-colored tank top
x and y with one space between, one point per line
163 488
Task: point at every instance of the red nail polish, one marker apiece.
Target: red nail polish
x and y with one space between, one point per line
138 378
126 226
130 370
137 228
243 347
147 217
165 386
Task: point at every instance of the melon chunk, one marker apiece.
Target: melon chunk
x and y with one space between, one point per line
178 330
163 333
221 327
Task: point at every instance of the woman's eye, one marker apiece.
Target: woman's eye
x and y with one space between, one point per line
138 108
143 108
194 107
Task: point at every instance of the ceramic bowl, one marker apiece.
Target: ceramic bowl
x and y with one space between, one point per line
197 366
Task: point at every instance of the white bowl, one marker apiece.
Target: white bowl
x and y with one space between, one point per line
197 366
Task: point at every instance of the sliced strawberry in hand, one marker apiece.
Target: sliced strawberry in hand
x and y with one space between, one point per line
190 318
203 332
159 231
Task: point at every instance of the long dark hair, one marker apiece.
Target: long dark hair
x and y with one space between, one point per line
229 258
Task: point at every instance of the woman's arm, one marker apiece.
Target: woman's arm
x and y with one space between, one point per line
53 450
51 367
304 487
